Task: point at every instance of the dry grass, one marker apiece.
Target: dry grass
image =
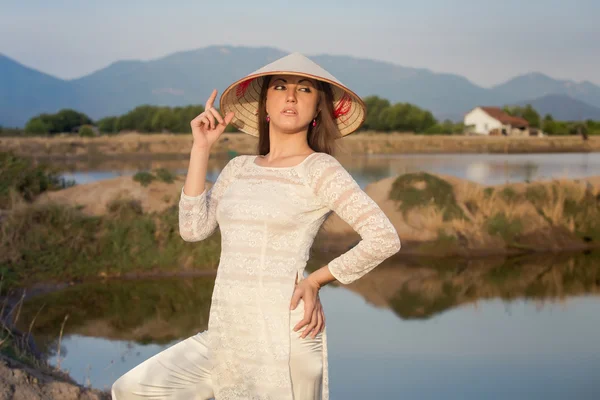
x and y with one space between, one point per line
548 215
135 144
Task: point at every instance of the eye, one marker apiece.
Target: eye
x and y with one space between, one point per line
306 89
278 87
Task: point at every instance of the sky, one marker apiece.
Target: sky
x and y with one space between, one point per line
486 41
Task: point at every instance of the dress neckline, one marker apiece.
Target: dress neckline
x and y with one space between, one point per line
284 168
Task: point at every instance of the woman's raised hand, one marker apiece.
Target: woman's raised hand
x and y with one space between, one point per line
209 125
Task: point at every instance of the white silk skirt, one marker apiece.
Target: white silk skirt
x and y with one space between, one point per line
183 370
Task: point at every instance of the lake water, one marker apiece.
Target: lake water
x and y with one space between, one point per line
483 168
486 329
490 329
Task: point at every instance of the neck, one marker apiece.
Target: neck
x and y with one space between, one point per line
287 144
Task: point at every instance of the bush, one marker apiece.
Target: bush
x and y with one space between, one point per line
165 175
421 189
500 225
125 208
19 175
144 178
57 243
86 131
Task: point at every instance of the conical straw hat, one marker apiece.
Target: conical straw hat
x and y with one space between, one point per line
243 95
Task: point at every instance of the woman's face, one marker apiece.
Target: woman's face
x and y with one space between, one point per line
291 102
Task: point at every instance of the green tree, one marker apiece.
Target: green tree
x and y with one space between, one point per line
185 115
66 120
593 127
165 119
108 125
578 128
406 117
548 125
138 119
375 107
528 113
532 116
37 125
447 127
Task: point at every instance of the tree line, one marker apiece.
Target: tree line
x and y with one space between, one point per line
382 116
550 126
145 118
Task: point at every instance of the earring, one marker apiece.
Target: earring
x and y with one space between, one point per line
268 118
314 123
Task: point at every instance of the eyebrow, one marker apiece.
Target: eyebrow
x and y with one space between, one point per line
301 80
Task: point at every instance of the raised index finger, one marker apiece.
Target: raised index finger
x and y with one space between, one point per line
211 99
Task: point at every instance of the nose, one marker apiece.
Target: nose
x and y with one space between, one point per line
291 95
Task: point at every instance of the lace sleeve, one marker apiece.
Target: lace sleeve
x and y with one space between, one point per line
338 191
197 214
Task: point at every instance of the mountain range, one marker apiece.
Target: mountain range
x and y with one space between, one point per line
188 77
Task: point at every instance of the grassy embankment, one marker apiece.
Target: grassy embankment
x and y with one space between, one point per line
156 145
58 241
451 217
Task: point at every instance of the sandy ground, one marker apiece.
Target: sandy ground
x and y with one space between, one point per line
93 198
19 382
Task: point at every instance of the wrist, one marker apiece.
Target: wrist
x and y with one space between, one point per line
200 148
313 282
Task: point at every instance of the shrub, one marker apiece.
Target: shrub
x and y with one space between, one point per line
165 175
86 131
21 176
144 178
419 189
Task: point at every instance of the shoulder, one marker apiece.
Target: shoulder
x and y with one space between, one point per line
321 161
233 167
323 167
236 162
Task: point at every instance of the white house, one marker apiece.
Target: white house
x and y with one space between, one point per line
494 121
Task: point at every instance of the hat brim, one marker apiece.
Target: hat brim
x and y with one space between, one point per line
242 97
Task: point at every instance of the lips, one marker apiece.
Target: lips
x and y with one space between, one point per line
289 111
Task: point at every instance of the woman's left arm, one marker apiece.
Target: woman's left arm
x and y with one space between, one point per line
337 190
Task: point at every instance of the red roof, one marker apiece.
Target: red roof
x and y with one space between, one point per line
500 115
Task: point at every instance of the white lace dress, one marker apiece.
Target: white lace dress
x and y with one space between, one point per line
268 218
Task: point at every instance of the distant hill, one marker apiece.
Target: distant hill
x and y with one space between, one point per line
537 85
188 77
563 107
26 92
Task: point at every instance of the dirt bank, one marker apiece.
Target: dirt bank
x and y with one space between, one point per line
448 214
20 382
146 145
95 198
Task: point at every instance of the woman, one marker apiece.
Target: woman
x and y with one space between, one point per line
269 209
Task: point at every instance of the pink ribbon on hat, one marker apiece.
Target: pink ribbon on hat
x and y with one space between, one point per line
242 87
343 106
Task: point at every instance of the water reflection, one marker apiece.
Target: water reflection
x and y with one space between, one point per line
410 329
482 168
